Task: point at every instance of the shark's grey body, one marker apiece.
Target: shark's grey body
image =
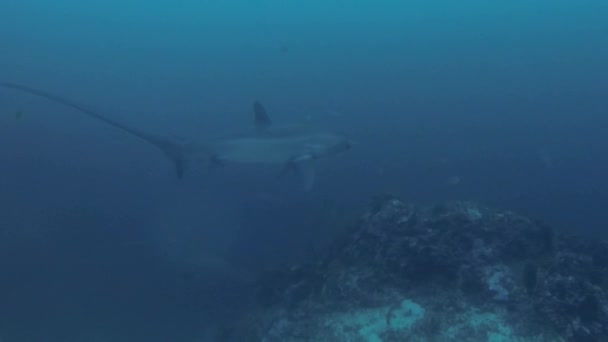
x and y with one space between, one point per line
293 147
271 144
278 150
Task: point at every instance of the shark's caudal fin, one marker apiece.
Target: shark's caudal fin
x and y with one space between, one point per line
261 119
175 152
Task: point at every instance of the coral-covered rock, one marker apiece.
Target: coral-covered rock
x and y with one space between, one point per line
455 272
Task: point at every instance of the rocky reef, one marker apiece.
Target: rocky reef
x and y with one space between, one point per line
453 272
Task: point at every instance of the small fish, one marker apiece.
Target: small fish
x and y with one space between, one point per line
18 115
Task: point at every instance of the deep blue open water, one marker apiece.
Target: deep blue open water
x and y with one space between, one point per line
501 102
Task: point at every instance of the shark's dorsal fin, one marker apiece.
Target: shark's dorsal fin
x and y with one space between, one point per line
261 118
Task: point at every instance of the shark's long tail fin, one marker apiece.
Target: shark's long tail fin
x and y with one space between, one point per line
172 150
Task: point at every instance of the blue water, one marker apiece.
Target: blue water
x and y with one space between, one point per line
499 102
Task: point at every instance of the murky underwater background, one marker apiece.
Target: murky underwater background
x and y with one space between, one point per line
498 102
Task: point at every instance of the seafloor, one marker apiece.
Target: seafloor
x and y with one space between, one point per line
453 272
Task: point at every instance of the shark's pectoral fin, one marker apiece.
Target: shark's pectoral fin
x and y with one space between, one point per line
289 167
304 168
